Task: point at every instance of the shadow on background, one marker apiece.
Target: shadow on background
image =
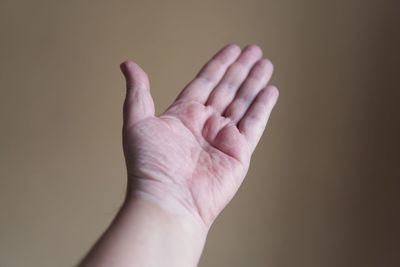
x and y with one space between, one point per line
375 210
341 176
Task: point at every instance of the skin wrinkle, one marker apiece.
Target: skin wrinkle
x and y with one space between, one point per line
145 177
204 147
200 140
187 207
192 188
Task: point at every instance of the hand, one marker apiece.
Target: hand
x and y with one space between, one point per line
193 157
185 165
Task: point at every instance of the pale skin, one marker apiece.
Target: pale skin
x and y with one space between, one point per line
185 165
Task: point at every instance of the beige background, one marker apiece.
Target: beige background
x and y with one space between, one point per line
323 189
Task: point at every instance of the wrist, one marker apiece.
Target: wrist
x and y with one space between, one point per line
177 234
145 234
167 208
173 199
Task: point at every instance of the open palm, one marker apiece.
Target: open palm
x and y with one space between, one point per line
195 155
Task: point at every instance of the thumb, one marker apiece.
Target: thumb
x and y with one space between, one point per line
138 101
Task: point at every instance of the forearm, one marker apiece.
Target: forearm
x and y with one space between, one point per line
144 234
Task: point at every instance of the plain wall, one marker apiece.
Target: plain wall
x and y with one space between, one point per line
323 187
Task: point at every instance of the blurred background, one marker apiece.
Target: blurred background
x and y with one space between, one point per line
323 187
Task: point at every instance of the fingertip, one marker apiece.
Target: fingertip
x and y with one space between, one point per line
272 94
128 65
122 64
233 48
124 67
262 70
256 49
274 90
228 53
134 74
268 63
